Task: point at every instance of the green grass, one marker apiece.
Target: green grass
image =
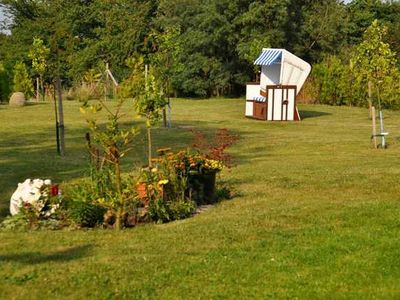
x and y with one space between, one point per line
318 216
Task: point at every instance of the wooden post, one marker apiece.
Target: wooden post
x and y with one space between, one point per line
60 116
164 114
370 98
56 116
373 115
106 83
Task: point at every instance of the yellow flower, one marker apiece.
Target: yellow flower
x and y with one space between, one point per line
163 182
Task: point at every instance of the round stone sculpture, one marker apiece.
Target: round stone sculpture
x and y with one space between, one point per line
17 99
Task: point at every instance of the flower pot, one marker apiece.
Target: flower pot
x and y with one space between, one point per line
201 187
209 179
141 189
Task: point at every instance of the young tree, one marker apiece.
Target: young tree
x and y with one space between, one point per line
149 99
39 54
166 60
374 59
110 144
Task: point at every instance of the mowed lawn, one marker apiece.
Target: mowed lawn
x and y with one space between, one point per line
318 215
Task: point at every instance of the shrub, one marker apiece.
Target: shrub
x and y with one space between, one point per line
85 214
162 211
17 222
21 80
4 84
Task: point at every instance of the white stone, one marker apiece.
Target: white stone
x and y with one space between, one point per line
27 192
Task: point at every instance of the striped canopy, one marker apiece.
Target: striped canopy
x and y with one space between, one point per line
269 57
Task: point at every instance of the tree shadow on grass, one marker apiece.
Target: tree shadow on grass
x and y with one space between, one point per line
306 114
32 258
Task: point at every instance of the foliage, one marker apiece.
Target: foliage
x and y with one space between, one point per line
109 146
4 83
85 214
161 211
15 223
201 48
321 28
148 95
344 81
253 36
375 61
151 101
21 80
166 197
166 57
38 54
176 182
332 79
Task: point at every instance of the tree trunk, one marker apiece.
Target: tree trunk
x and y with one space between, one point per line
149 144
370 98
60 117
164 114
120 209
42 87
37 90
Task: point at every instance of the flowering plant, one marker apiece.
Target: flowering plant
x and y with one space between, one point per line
35 197
154 180
188 162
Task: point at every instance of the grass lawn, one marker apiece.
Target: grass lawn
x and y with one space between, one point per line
318 215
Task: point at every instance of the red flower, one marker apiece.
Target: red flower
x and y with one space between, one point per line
54 190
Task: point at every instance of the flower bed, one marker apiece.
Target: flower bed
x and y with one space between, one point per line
171 189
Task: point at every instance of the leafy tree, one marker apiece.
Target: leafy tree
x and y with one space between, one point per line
149 99
110 145
218 40
261 27
39 54
21 80
165 61
315 29
374 59
166 57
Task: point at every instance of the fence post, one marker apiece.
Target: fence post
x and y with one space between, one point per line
374 126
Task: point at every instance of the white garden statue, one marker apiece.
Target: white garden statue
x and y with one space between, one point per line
32 192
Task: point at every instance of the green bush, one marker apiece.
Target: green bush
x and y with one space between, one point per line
340 82
4 84
162 211
17 222
21 81
85 214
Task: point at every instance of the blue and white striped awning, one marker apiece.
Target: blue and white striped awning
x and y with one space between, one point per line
269 57
259 99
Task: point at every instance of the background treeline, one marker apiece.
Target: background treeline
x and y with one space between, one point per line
207 46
